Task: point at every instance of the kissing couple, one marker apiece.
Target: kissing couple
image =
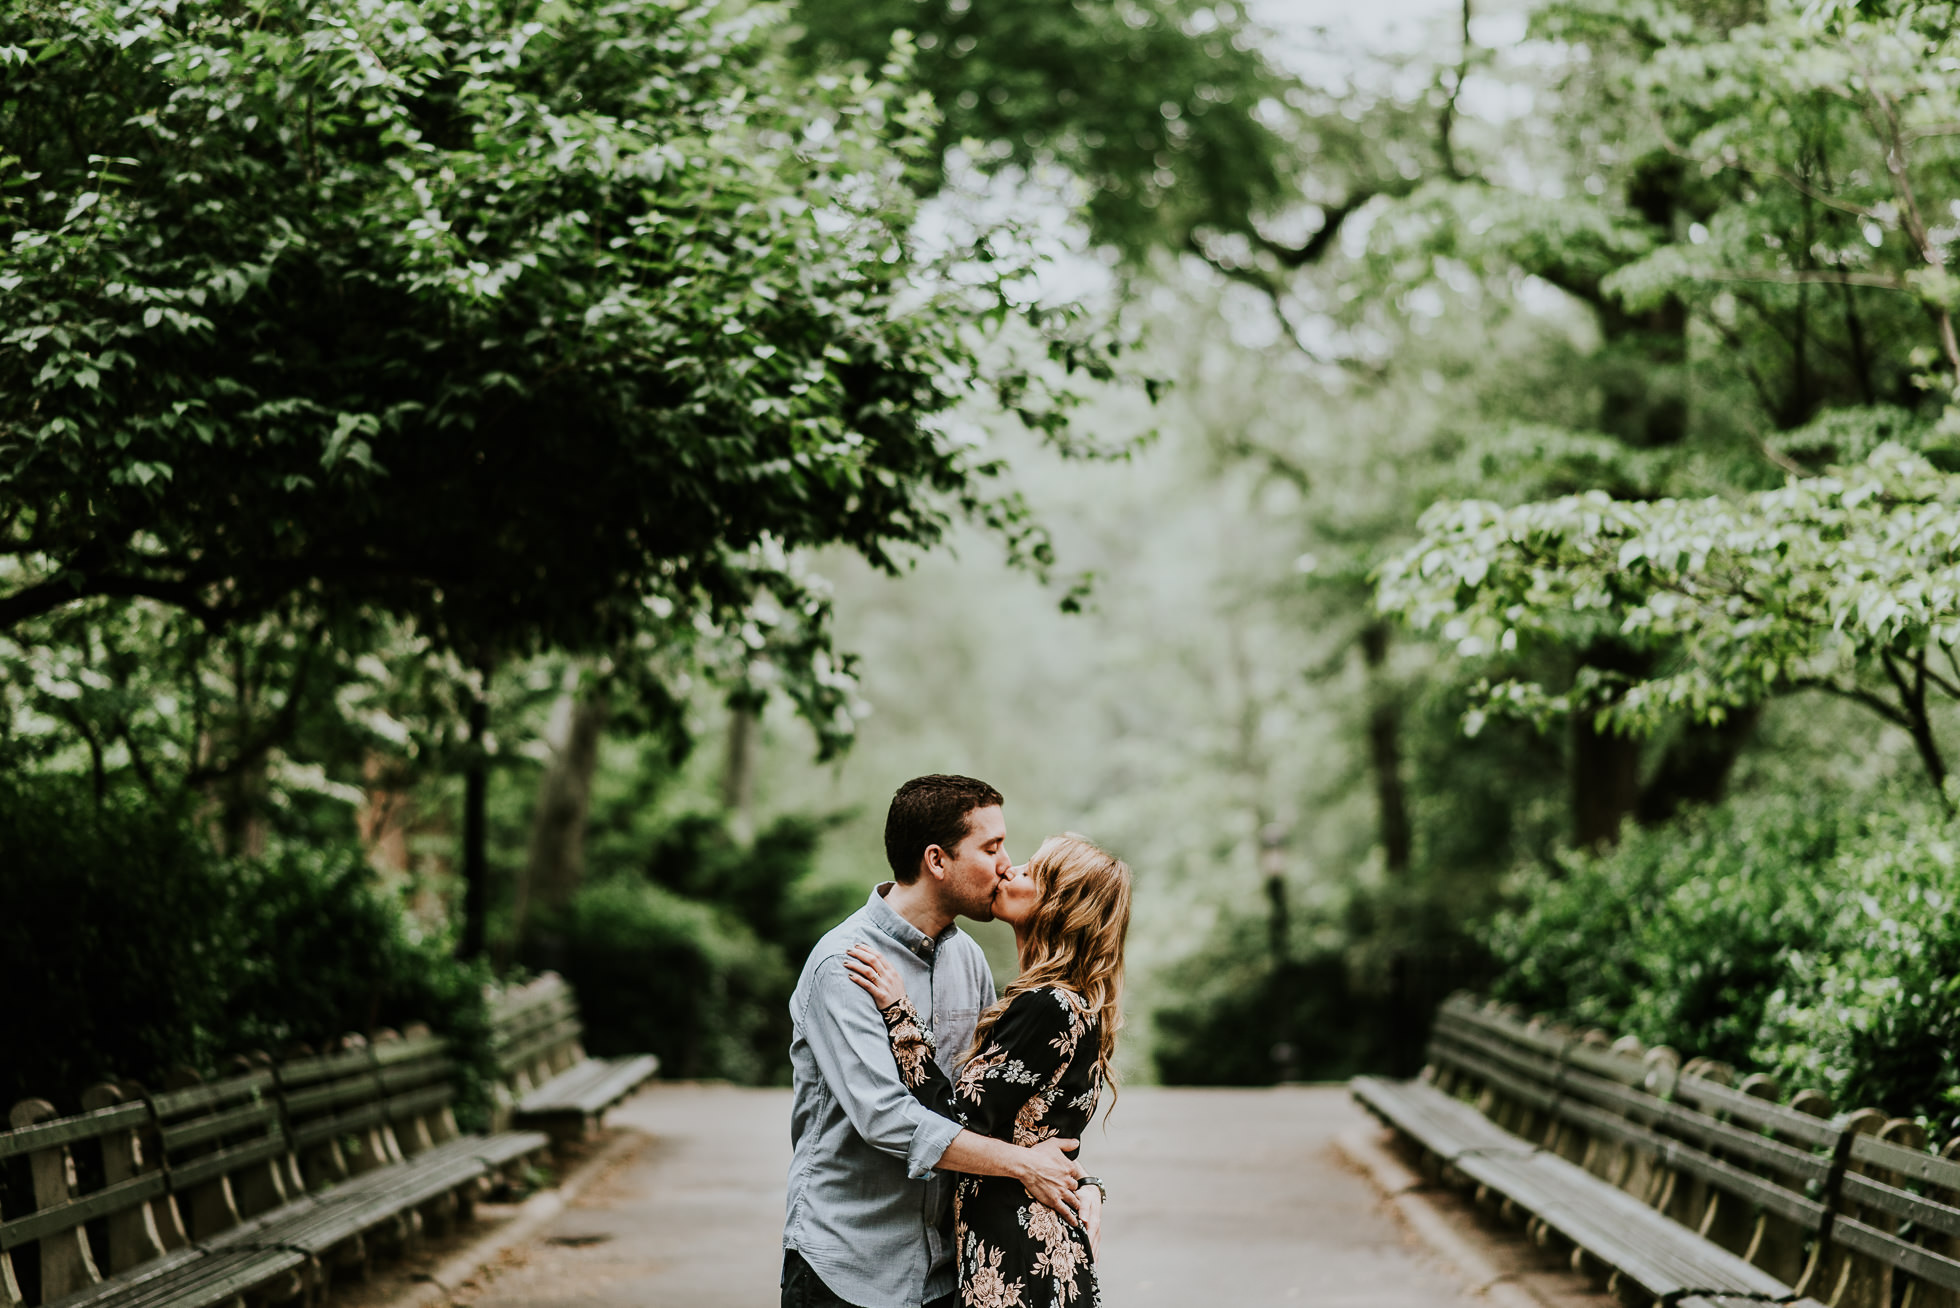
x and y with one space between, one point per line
935 1126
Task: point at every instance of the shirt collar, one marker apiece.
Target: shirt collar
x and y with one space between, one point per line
888 920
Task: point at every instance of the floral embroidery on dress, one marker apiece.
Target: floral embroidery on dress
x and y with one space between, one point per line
1027 1128
986 1287
912 1042
1059 1255
1037 1079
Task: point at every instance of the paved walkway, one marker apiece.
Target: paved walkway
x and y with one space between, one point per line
1220 1198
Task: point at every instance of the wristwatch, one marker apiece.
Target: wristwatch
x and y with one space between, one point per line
1096 1181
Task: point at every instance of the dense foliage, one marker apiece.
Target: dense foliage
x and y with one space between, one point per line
1168 116
131 947
594 283
1847 583
361 363
1813 941
1351 992
684 940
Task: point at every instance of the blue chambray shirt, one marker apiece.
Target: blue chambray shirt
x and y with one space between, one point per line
864 1200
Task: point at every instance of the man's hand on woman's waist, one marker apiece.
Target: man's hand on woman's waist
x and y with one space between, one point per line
1044 1170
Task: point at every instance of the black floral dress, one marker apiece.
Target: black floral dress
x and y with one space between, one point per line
1036 1079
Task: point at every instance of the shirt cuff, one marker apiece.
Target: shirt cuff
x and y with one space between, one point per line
930 1143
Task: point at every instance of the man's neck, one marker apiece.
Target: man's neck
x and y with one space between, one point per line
919 904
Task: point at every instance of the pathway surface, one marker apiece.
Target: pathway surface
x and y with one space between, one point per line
1219 1198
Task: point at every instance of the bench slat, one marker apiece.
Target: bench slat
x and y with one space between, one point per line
1915 1164
198 1130
1674 1154
1531 1093
1904 1255
212 1094
1711 1133
109 1199
590 1087
1446 1125
1667 1257
221 1162
196 1282
1918 1209
67 1130
1714 1097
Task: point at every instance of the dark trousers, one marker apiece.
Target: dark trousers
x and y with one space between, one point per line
803 1288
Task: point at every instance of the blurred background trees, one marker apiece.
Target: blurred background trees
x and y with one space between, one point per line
1448 492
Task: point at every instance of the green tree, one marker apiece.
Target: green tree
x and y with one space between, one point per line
452 332
1167 113
1817 281
516 325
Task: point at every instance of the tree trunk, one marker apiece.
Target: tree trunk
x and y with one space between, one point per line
242 791
1695 769
738 777
1605 783
555 864
1385 751
1285 1052
476 855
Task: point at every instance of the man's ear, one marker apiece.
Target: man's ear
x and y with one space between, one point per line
934 862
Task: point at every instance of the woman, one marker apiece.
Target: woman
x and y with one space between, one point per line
1039 1062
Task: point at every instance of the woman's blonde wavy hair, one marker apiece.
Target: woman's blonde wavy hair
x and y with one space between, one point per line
1075 938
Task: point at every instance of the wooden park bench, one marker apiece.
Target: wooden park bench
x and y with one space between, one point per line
253 1188
545 1078
1683 1185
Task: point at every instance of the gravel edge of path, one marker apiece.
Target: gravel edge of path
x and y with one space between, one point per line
1404 1193
464 1269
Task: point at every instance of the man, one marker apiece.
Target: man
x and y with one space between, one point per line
866 1190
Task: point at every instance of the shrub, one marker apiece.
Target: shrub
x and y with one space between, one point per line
1676 936
1356 994
657 972
687 942
1813 940
1871 1012
112 965
131 947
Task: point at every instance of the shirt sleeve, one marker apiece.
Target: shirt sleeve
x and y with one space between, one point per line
1009 1086
848 1041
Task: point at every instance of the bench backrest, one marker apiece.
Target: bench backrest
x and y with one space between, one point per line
137 1175
1839 1207
535 1034
366 1105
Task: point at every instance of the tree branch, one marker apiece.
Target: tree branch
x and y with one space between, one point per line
1293 257
57 592
279 728
1801 276
1446 120
1876 703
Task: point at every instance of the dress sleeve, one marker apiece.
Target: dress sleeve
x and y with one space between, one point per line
1006 1090
912 1049
849 1044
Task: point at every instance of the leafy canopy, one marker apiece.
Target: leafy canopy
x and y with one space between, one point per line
522 321
1167 112
1813 157
1847 583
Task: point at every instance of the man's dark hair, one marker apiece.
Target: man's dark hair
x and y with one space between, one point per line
929 811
